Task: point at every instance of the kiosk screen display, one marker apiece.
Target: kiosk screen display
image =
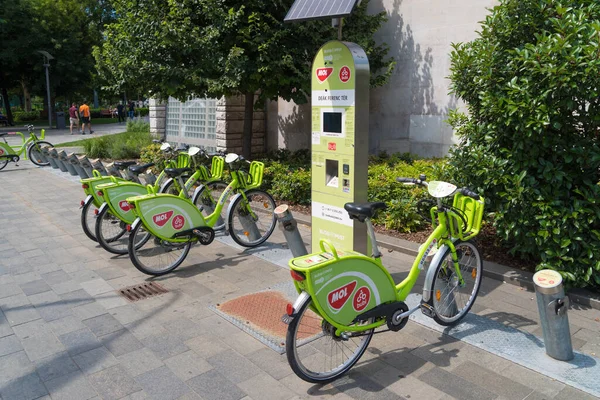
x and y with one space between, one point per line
332 122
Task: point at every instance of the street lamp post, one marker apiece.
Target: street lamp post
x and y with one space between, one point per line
47 58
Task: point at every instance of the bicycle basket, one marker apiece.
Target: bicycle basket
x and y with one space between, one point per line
216 167
472 211
255 175
183 160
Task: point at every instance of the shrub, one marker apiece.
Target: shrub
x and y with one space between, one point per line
24 116
117 147
289 183
135 125
530 140
142 111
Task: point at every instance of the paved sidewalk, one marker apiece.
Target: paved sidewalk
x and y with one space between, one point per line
65 334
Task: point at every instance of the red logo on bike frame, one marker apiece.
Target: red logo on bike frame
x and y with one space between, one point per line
1 151
361 298
331 146
324 73
344 74
338 297
124 205
162 218
178 222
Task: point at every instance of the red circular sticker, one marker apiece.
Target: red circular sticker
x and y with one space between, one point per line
361 298
1 151
345 74
178 222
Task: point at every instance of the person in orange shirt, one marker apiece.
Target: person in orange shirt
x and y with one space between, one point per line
86 117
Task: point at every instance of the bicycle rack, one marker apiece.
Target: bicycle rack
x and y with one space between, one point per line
64 158
85 165
74 161
98 166
46 150
114 171
54 154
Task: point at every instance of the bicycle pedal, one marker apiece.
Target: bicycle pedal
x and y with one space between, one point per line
427 309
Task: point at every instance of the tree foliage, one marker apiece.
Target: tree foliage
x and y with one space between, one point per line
529 142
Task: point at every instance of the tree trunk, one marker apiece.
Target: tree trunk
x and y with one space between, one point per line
7 106
248 122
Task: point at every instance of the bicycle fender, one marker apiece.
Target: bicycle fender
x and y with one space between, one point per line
197 193
430 276
102 207
87 200
302 298
137 221
164 185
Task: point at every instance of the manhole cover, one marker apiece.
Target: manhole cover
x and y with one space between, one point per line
142 291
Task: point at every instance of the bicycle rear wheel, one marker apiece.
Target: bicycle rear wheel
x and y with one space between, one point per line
250 229
88 220
207 201
111 232
3 162
35 155
313 351
154 256
452 299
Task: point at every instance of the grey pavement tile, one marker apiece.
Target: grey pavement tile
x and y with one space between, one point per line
183 328
77 298
540 383
360 386
14 365
83 275
55 366
103 324
95 360
66 287
212 385
5 329
195 289
28 277
264 386
9 344
162 384
165 345
114 383
79 341
406 386
38 340
26 387
110 300
569 393
455 386
110 273
89 310
207 345
56 277
143 328
121 342
244 343
187 365
96 287
140 361
270 362
43 298
32 253
127 313
73 386
66 325
231 364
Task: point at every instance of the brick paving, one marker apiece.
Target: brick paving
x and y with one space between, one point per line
66 334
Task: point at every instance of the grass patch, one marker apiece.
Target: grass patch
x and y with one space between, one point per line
80 142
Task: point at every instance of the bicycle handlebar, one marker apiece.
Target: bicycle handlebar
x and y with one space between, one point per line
421 181
467 192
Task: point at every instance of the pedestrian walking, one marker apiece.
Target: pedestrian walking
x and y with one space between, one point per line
73 118
121 112
86 117
131 109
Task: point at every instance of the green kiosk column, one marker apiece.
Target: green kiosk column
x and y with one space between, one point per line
340 143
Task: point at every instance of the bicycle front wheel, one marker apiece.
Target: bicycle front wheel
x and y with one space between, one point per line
35 155
251 222
88 220
111 232
315 353
154 256
207 201
451 298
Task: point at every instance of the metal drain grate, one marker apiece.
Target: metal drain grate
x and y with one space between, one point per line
142 291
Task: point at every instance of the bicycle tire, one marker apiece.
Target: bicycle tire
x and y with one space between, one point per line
446 294
87 216
3 162
206 200
316 326
141 249
169 187
118 242
263 205
37 160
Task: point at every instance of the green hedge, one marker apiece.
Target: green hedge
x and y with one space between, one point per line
24 116
118 147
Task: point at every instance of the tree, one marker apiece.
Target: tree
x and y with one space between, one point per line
220 48
529 142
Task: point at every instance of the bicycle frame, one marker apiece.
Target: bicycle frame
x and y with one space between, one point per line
18 150
332 277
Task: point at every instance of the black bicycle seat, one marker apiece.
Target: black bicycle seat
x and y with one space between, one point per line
138 169
364 210
123 164
173 172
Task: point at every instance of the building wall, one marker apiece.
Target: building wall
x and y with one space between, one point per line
408 114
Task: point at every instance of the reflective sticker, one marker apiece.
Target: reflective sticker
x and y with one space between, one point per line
124 205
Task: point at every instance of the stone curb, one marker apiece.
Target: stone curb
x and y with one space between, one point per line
492 270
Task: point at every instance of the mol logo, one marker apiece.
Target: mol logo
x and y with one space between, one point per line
324 73
162 218
338 297
124 205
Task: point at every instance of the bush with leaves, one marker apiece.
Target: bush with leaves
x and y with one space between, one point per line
530 140
117 147
24 116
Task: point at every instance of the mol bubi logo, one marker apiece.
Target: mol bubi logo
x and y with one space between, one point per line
124 205
345 74
324 73
178 222
338 297
161 219
361 298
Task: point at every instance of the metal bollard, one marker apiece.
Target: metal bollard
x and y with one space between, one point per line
289 227
552 306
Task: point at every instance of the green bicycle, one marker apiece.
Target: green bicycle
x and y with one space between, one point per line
167 226
92 202
115 214
344 295
31 148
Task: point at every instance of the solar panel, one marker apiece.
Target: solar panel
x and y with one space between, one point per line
303 10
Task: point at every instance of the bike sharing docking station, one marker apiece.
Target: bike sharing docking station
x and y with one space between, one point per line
340 129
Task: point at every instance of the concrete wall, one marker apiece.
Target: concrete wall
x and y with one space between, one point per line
409 113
